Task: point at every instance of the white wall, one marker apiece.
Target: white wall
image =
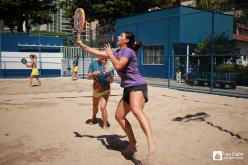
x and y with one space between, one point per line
12 60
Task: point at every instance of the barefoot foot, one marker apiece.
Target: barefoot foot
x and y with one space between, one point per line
131 148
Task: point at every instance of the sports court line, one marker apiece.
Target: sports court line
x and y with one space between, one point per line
198 101
245 96
70 97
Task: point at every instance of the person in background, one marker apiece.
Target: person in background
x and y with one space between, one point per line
101 88
75 67
35 71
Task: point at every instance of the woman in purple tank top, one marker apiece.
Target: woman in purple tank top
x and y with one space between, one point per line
135 87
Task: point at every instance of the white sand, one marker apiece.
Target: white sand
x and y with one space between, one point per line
47 126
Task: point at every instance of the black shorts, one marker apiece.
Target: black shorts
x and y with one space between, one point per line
126 92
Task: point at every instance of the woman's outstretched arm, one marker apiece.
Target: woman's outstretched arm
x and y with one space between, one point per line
90 50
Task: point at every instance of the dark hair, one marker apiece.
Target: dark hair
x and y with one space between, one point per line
135 45
77 56
33 56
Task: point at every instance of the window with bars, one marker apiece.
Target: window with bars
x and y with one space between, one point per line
153 55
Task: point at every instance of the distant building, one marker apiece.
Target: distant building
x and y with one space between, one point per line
241 38
62 24
92 29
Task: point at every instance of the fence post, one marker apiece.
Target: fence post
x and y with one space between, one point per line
91 38
83 53
187 64
110 36
168 48
1 74
40 53
212 55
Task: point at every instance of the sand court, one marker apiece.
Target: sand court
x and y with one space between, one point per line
51 125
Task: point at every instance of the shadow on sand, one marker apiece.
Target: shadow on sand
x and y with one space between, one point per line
201 116
113 142
96 121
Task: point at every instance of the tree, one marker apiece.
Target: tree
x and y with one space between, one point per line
222 5
106 11
233 5
9 19
208 4
32 12
225 49
238 7
171 3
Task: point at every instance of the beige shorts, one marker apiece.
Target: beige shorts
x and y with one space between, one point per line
99 94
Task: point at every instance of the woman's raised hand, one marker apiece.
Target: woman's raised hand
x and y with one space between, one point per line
79 43
108 49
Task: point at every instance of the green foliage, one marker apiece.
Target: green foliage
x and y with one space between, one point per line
67 39
222 5
208 4
222 45
240 18
106 11
226 68
242 72
233 5
227 5
33 12
47 33
44 33
225 50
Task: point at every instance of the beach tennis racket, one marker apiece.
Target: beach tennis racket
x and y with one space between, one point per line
79 21
23 60
109 66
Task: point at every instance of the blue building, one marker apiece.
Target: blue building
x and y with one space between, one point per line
169 32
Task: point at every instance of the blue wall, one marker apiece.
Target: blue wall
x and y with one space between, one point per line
168 26
197 24
10 42
21 73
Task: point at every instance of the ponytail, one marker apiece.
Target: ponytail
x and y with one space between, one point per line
132 44
137 45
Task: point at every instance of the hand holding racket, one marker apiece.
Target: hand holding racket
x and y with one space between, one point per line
79 21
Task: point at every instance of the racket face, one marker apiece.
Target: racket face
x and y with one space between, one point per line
23 60
79 20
